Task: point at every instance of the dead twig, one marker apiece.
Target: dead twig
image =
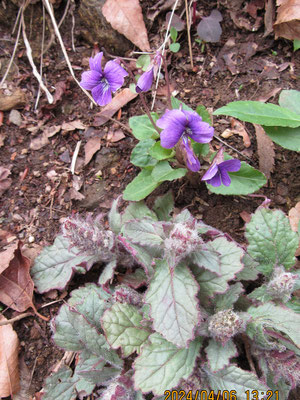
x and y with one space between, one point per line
17 318
188 28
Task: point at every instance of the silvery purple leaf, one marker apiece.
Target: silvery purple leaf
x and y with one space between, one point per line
209 29
177 22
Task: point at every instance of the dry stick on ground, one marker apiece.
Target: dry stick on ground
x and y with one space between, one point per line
188 28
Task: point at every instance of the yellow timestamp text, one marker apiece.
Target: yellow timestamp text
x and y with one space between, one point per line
220 395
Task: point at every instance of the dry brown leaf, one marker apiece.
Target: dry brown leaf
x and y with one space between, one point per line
294 217
119 101
7 255
267 97
5 182
25 381
115 136
72 125
246 217
9 372
91 147
16 286
265 150
43 139
269 17
127 18
239 129
287 24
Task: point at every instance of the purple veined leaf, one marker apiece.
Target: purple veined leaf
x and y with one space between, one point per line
177 22
209 29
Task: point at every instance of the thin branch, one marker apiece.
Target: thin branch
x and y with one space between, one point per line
232 148
188 27
17 318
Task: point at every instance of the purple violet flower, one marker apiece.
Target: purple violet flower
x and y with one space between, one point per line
217 173
182 124
102 83
144 82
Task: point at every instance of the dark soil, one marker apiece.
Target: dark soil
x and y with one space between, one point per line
40 195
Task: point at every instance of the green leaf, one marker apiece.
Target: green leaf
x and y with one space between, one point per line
177 103
172 295
73 332
140 187
137 210
173 33
246 180
160 153
174 47
204 114
161 365
91 301
281 319
218 355
207 258
289 138
163 172
260 294
122 328
249 272
290 99
271 240
140 154
144 232
163 206
140 254
226 300
233 378
86 363
296 44
143 61
230 260
107 273
55 266
201 149
260 113
60 385
294 305
142 127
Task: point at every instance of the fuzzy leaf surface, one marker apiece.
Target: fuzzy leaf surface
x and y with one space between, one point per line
218 355
137 210
281 319
142 127
230 261
227 299
172 295
271 240
163 206
234 378
60 385
55 265
73 332
260 113
249 272
91 301
144 232
122 328
107 273
161 365
207 258
114 217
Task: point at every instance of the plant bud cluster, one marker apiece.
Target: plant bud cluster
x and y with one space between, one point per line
282 284
125 294
224 325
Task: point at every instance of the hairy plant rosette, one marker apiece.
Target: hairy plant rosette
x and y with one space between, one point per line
184 125
103 83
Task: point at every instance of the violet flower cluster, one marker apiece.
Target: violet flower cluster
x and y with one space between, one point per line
103 82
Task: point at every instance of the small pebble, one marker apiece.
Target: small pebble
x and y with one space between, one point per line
31 239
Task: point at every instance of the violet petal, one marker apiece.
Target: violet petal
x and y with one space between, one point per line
90 79
231 165
201 131
144 82
211 172
215 181
95 63
114 74
102 94
224 176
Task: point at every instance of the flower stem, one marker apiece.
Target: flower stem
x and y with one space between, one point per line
167 82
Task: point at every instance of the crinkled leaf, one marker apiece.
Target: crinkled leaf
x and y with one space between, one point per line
135 279
289 138
122 328
260 294
60 385
178 103
249 272
282 319
161 365
290 99
144 232
163 206
218 355
184 216
137 210
114 217
246 180
230 261
227 299
108 272
260 113
141 186
55 265
172 295
91 301
234 378
294 305
142 127
164 172
160 153
271 240
208 258
140 154
73 332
